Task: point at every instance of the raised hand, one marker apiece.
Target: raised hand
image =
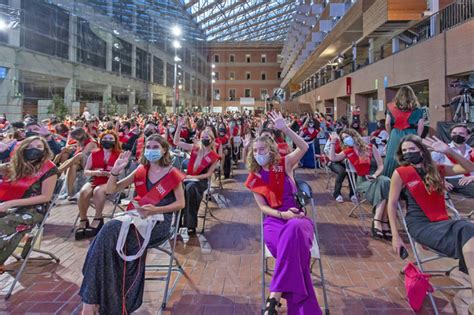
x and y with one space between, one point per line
333 137
435 144
121 162
247 140
181 122
278 120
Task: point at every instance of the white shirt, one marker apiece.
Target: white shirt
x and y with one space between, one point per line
440 158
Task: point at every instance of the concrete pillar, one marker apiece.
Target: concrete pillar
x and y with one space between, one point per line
107 95
164 74
108 52
395 45
72 38
354 57
10 101
134 61
70 92
152 71
434 22
131 99
14 35
371 51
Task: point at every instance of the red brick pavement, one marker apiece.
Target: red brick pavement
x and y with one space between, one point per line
362 274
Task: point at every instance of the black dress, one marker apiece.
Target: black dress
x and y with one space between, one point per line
103 268
447 237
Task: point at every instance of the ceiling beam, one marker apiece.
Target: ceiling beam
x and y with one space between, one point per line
190 4
206 8
267 31
221 13
249 17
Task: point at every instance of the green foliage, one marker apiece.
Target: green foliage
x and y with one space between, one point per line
58 107
143 107
161 108
111 106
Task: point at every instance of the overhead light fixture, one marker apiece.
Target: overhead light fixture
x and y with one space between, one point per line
3 25
176 31
176 44
213 66
116 32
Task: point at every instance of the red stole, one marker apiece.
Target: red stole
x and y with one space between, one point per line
124 137
312 135
361 165
160 190
432 203
471 157
11 190
273 190
283 148
98 163
206 161
337 146
234 131
401 117
139 149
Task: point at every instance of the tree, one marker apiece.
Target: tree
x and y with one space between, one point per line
111 106
58 107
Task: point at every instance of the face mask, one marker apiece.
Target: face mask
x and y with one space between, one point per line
311 125
33 154
206 142
121 130
31 134
106 144
222 130
458 139
148 133
153 155
349 141
413 157
262 159
171 130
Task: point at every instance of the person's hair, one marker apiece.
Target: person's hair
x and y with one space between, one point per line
268 130
127 124
32 123
165 159
212 129
79 132
361 144
382 124
460 125
433 179
272 147
19 167
406 99
116 147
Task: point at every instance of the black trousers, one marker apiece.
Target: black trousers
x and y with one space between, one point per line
193 193
467 190
340 170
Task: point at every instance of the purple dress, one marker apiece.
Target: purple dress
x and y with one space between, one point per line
290 243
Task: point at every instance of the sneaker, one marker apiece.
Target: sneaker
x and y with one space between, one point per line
339 199
354 199
63 196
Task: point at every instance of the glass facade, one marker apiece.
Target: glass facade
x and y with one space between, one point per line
91 48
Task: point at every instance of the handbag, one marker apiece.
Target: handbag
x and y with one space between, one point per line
417 284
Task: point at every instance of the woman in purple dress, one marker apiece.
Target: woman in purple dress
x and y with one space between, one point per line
288 233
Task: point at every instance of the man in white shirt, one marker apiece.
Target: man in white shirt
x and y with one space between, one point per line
461 184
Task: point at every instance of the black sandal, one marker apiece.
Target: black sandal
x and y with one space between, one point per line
82 232
271 306
376 233
95 230
387 234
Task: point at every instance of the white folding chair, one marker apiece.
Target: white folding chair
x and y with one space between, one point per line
419 260
173 264
34 235
315 253
359 196
207 195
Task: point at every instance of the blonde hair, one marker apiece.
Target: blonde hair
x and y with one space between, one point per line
406 99
19 167
201 152
272 147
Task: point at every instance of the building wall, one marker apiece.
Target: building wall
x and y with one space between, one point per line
240 67
433 61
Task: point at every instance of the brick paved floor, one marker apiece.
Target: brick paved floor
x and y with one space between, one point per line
362 274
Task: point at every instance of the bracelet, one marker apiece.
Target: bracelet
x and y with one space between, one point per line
116 175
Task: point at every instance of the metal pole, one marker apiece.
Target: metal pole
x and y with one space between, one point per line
212 94
174 82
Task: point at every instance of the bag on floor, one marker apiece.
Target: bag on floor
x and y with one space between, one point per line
417 284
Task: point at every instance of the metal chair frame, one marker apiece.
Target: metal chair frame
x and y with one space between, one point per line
315 252
36 232
352 175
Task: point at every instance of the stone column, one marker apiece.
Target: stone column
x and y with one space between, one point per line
70 92
72 38
134 61
14 35
395 45
371 51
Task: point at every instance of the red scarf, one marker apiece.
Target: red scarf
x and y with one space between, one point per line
401 117
11 190
207 160
283 148
140 144
160 190
273 190
431 202
98 163
361 165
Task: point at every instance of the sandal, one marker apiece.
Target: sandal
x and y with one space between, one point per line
376 233
95 230
271 306
82 232
387 234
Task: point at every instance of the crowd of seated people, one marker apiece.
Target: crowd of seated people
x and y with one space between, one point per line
140 150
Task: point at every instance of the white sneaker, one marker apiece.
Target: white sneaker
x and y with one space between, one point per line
339 199
354 199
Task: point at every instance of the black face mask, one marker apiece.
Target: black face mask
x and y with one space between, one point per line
107 144
33 154
31 134
458 139
206 142
148 133
413 157
121 130
222 130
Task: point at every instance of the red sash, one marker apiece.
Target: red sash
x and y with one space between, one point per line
273 190
16 190
235 131
98 163
361 165
283 148
210 158
162 188
471 157
124 137
140 144
337 146
432 203
80 148
401 117
312 135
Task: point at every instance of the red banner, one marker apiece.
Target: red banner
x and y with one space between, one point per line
348 86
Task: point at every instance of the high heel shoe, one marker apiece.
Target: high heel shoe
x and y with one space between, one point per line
376 233
387 234
271 306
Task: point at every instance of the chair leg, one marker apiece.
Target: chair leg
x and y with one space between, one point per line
205 214
323 284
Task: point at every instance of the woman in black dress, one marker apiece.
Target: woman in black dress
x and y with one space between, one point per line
420 181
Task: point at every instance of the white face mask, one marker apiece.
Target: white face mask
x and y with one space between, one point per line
262 159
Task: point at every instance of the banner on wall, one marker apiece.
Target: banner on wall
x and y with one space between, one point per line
348 86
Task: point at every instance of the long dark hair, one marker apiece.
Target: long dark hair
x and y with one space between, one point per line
433 179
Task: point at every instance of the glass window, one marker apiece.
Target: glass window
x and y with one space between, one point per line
143 65
217 94
158 71
169 74
248 93
231 75
231 94
121 57
45 28
123 12
264 58
264 75
91 49
263 94
216 58
232 58
247 58
247 76
187 82
279 75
